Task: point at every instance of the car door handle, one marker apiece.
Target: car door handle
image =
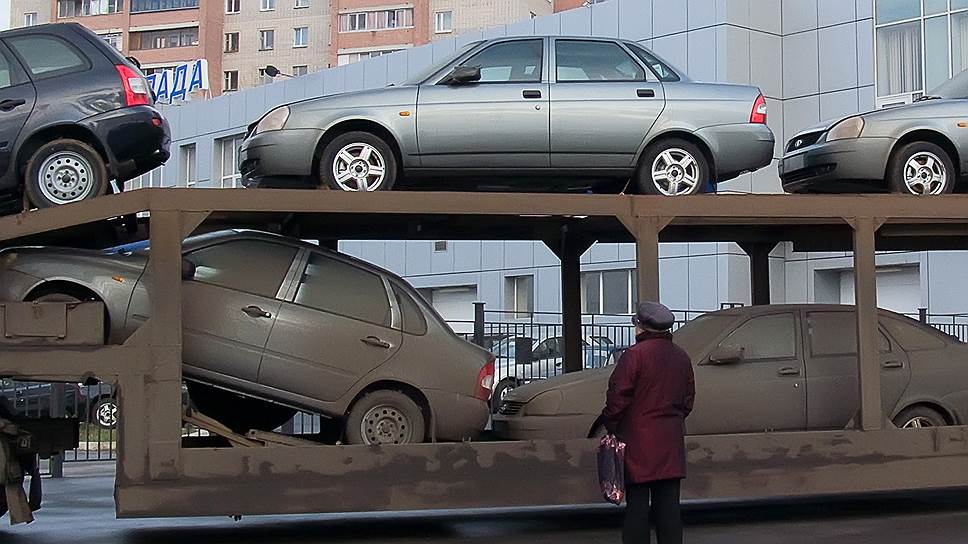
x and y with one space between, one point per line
893 364
788 371
10 104
531 94
376 342
255 311
645 93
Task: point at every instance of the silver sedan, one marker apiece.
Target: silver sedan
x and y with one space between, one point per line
917 149
536 113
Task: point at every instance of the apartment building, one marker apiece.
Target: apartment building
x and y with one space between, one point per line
29 12
292 35
456 16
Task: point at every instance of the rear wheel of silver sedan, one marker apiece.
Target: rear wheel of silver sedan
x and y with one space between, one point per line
923 169
385 417
358 161
672 167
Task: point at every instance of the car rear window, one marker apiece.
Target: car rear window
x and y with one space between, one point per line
48 56
413 318
912 335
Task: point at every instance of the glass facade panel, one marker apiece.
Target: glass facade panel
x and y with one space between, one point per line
936 61
889 11
899 59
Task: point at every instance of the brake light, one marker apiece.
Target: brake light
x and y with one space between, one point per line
485 380
758 114
135 87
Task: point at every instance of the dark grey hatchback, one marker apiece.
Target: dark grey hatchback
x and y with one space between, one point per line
74 115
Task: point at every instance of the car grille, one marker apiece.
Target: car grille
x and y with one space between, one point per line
803 140
808 173
510 408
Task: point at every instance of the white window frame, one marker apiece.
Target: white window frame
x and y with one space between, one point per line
267 5
295 35
233 6
301 4
630 303
296 68
438 19
262 39
118 44
225 80
189 157
30 18
512 284
226 39
230 180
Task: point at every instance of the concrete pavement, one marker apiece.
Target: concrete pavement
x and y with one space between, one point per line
80 508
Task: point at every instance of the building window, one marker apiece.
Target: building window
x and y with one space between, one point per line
30 18
231 42
348 58
83 8
300 36
229 160
268 5
376 20
139 6
189 165
267 40
115 39
519 295
164 39
230 81
440 246
444 22
233 6
300 70
918 45
609 292
301 4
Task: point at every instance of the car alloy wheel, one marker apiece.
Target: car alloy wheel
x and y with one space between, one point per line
359 167
65 177
385 424
917 422
675 172
925 174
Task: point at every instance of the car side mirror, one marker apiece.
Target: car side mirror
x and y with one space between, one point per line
727 355
188 270
462 74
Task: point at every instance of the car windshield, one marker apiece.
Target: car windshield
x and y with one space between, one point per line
505 348
430 70
956 87
696 331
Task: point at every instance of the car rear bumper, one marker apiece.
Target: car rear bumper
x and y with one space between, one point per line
851 165
739 148
136 140
279 158
456 417
564 427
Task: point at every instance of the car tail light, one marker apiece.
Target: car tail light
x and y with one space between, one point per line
485 380
135 87
758 114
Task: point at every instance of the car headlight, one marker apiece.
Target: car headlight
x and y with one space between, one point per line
846 129
545 404
274 120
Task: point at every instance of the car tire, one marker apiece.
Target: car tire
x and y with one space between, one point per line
672 167
502 388
64 171
349 163
238 412
104 413
385 417
917 417
913 163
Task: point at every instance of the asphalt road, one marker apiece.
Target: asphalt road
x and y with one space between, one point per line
80 508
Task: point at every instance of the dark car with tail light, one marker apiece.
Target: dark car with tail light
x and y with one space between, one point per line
75 116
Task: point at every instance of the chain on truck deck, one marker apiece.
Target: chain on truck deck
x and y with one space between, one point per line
14 465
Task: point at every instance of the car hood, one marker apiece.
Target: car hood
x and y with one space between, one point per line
585 384
916 110
403 95
44 262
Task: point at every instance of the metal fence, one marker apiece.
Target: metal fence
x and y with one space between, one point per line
527 346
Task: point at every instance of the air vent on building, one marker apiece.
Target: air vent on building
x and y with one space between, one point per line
440 246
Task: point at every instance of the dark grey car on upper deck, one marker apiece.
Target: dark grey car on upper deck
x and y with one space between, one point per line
539 113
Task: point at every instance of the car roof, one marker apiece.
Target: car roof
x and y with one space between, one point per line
774 308
45 27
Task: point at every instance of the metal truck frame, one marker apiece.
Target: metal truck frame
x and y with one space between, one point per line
157 476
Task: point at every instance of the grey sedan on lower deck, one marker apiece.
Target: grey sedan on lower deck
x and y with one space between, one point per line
919 148
537 113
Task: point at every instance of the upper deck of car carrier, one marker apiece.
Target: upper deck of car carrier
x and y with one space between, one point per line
158 476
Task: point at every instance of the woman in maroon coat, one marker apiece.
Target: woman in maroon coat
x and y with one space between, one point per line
650 393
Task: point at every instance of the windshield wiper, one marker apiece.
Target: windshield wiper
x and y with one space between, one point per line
928 97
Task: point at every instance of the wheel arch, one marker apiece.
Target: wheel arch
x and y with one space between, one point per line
56 132
358 124
934 137
407 389
688 136
72 288
947 413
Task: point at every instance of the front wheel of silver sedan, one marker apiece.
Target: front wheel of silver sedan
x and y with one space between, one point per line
358 162
921 169
672 167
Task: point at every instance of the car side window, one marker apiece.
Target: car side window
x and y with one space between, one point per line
340 288
48 56
659 68
765 337
516 61
252 266
832 334
6 75
580 60
549 349
414 321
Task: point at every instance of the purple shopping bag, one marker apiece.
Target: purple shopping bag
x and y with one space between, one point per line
611 469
